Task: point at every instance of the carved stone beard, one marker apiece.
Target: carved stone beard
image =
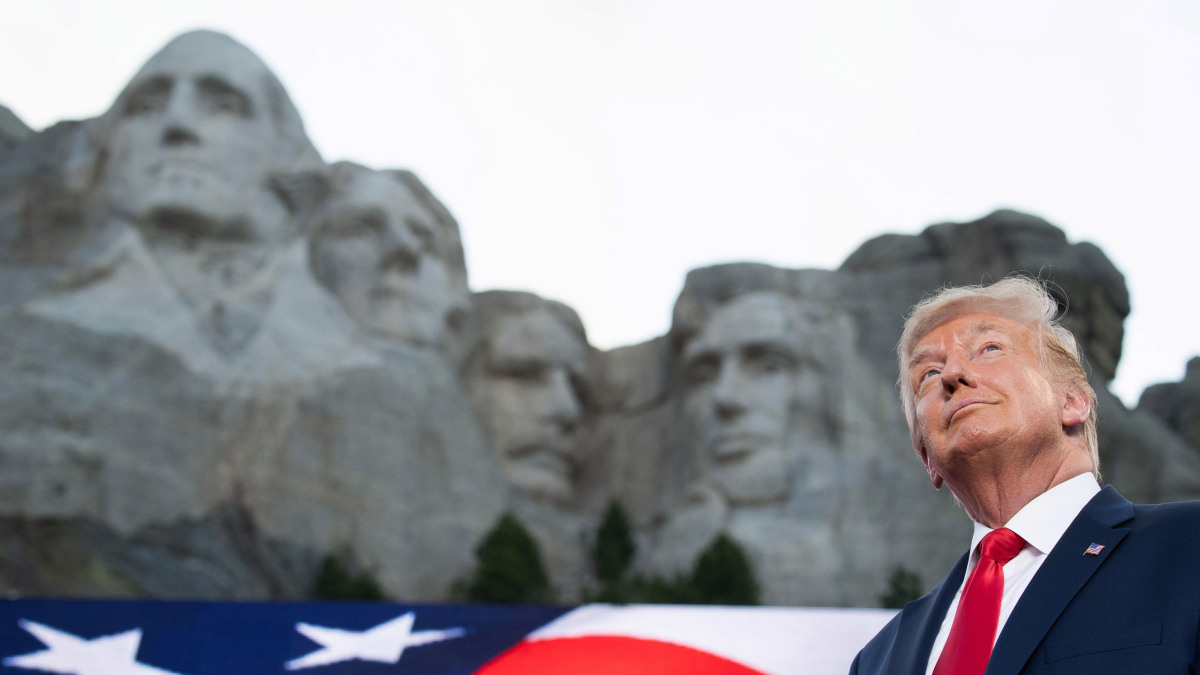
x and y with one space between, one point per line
227 282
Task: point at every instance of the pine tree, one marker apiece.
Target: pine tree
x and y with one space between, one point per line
677 589
723 576
614 548
510 567
334 582
903 587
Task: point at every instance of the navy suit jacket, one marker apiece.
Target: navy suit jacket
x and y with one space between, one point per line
1134 608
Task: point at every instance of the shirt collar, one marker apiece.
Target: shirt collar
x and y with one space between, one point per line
1042 522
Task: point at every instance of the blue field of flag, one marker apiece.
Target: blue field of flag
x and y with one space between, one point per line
202 638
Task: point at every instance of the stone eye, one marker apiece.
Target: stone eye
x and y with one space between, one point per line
219 96
702 370
359 225
149 98
521 371
421 231
768 359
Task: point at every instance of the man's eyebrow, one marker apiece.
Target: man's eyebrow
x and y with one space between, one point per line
922 354
974 330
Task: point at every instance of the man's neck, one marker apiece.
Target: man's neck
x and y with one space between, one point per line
993 495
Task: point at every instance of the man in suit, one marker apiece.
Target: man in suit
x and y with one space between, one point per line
1062 576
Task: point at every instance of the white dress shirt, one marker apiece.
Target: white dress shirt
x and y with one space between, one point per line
1041 523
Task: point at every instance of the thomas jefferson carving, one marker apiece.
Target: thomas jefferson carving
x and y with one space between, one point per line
392 255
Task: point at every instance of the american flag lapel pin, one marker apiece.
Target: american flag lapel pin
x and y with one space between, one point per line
1094 549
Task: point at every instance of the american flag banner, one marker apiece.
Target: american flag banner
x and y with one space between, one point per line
100 637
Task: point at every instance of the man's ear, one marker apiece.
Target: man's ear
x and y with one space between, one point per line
1077 406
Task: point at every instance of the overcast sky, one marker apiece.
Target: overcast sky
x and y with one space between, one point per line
593 152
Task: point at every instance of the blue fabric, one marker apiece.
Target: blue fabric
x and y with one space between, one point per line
202 638
1133 608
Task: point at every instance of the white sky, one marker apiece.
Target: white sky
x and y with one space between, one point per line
593 152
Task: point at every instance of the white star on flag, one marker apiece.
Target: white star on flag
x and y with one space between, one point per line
73 655
383 643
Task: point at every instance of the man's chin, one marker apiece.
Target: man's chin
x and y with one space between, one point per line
969 439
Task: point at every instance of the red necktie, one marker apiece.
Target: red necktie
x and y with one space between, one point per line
973 633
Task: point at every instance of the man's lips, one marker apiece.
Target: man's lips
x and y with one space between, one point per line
964 404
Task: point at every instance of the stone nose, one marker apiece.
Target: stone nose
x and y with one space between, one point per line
560 405
729 391
180 122
402 250
400 259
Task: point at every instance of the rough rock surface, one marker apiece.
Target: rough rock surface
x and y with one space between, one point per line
1177 404
171 354
225 359
901 269
13 131
227 556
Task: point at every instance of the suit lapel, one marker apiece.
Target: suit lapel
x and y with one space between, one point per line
919 625
1065 571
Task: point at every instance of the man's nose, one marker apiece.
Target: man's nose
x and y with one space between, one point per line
957 372
560 405
180 122
729 391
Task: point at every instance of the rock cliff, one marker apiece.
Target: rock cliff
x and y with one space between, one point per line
225 359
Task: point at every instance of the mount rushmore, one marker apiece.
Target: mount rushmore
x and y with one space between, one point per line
224 358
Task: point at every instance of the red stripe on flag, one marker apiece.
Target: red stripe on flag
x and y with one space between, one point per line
605 655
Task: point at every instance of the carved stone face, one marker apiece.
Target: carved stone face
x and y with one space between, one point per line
377 251
193 141
741 393
526 388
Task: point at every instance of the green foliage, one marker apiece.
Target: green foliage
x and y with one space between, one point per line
614 548
510 567
675 590
334 582
612 592
723 576
903 587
